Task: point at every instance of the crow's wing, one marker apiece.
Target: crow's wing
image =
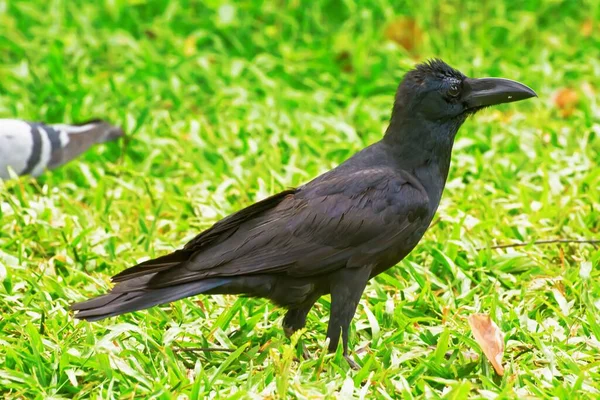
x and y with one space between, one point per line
219 232
332 222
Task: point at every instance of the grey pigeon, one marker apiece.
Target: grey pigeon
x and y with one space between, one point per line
29 148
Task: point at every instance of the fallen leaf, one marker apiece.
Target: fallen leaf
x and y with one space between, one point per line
490 338
345 61
587 28
405 32
566 100
150 34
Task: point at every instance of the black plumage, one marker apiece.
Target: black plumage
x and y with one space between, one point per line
331 235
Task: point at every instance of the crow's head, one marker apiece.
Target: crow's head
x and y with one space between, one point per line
435 91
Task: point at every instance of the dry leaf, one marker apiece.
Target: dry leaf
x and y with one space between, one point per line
345 61
150 34
587 28
566 101
405 32
490 338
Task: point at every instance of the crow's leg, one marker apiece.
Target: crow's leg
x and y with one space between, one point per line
295 319
347 287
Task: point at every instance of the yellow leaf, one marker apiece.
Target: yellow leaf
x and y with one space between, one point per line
566 100
490 338
189 46
405 32
587 28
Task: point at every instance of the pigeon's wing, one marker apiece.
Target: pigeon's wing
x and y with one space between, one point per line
330 223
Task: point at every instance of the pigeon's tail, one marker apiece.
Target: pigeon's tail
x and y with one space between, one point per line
76 139
133 295
97 130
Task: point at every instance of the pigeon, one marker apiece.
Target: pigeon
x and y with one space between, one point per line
29 148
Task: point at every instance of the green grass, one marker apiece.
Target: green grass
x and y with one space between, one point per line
226 104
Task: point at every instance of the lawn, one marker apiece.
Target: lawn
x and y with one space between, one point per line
225 104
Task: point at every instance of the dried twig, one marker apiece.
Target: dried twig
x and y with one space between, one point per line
541 242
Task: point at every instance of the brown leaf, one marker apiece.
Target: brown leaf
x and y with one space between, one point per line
405 32
150 34
490 338
587 28
566 100
345 60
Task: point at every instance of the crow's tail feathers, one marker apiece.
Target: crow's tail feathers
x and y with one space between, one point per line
131 296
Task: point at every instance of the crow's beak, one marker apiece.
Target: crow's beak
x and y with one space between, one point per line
490 91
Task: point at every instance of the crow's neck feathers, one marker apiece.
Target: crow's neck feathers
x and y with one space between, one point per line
423 149
419 144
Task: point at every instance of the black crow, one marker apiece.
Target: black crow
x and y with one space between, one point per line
333 234
30 148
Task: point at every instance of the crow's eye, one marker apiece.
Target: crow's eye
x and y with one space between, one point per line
453 91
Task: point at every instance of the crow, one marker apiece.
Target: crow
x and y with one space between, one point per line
334 233
29 148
